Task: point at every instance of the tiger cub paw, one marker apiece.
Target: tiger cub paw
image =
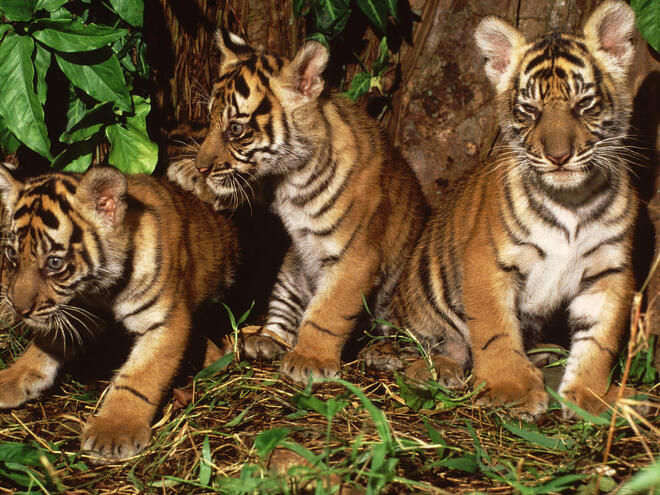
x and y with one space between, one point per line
19 384
595 404
298 367
523 391
109 439
384 355
448 372
255 344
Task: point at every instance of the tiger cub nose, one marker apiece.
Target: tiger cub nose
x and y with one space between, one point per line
558 159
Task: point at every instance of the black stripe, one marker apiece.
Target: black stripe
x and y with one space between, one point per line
320 328
516 240
292 321
598 344
587 282
134 392
608 242
543 212
492 339
424 275
333 199
512 209
238 49
143 307
333 228
241 86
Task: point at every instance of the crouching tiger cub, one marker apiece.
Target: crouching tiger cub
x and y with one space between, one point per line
352 210
542 230
147 250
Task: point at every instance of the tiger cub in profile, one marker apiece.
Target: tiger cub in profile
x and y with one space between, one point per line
545 228
352 210
145 249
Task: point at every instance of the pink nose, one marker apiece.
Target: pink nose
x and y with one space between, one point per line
558 160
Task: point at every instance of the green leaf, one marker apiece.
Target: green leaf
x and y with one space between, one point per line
41 64
238 419
647 13
216 367
8 141
376 11
205 463
245 315
49 5
537 438
328 408
360 85
89 123
132 11
267 440
20 108
467 464
21 453
3 29
132 151
331 16
644 481
77 157
69 36
103 81
18 10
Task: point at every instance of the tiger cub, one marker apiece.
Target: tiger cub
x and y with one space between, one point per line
147 250
545 229
352 210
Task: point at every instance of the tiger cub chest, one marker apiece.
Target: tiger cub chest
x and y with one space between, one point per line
556 263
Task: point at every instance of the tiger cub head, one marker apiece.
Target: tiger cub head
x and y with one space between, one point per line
261 112
563 101
62 238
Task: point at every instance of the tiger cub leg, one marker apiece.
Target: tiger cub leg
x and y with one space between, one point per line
289 299
32 373
329 318
597 318
122 428
497 348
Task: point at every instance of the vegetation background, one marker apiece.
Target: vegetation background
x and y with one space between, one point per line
130 91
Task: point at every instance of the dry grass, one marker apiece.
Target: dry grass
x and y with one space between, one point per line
245 429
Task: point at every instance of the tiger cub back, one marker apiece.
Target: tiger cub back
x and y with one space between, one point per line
146 250
544 229
353 211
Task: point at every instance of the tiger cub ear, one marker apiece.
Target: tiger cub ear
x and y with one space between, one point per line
9 186
102 191
499 42
610 31
232 49
301 79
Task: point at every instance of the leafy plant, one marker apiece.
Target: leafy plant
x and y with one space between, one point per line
328 20
96 49
648 20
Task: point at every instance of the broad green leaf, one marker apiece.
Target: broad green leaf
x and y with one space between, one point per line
467 464
41 64
90 122
69 36
132 11
360 85
77 157
320 37
18 10
132 151
3 29
647 14
534 437
267 440
215 367
8 141
376 11
331 16
49 5
328 408
20 108
644 481
21 453
76 109
103 81
142 108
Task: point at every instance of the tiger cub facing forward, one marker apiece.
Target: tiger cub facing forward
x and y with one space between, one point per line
145 249
353 211
542 230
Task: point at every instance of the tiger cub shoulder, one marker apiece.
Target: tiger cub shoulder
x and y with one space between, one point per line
542 230
145 249
353 209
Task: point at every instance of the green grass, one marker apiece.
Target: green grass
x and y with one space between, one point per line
246 429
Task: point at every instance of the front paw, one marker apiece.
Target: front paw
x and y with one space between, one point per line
184 173
585 398
18 385
110 439
298 367
522 390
